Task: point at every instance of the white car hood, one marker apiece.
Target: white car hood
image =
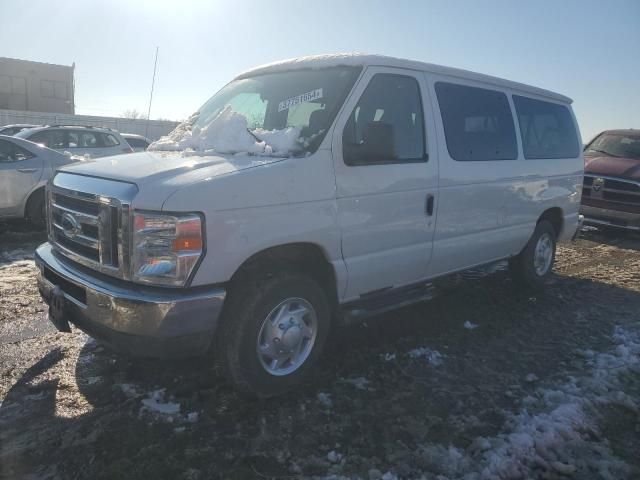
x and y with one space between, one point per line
157 167
159 174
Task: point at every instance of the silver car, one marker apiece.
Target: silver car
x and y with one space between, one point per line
16 128
25 168
78 140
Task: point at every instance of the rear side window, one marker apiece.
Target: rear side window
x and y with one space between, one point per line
73 139
478 124
547 129
387 124
88 140
108 140
137 143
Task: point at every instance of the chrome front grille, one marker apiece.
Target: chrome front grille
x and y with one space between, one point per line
612 193
86 228
89 221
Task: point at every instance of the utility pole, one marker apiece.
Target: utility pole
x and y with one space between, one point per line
153 82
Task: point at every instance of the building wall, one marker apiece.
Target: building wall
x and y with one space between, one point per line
153 129
35 86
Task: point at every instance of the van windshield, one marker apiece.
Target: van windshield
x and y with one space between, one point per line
278 114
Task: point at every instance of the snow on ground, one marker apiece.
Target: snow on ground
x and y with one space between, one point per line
433 357
557 430
325 400
360 383
129 390
156 403
228 133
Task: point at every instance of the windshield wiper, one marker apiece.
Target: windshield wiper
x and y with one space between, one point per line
254 136
605 152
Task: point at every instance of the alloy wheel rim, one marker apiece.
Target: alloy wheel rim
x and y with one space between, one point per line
543 254
287 336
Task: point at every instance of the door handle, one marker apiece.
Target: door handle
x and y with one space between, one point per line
430 198
27 170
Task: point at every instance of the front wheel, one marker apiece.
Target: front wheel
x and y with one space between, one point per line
532 266
272 333
36 210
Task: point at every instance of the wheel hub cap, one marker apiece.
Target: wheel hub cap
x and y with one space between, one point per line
287 336
543 254
291 338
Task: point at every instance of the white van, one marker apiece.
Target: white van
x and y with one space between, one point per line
303 193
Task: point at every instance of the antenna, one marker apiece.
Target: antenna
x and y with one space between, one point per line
153 82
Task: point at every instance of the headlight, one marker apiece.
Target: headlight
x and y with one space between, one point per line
166 248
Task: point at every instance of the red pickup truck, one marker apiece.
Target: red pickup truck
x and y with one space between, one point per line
611 191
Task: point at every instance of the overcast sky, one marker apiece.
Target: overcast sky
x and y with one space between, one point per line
588 50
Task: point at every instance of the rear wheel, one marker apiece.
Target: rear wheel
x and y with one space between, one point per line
534 264
272 333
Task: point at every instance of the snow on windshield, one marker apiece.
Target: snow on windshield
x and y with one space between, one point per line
228 133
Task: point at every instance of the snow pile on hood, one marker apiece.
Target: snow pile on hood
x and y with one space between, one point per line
228 133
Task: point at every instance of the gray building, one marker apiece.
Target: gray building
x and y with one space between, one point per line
36 87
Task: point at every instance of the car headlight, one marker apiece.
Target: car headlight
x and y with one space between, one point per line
166 248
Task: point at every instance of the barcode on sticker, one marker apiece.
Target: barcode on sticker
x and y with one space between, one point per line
305 97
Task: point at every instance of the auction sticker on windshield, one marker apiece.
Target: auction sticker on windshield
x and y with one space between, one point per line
305 97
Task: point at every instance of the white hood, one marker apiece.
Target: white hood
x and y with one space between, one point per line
157 167
159 174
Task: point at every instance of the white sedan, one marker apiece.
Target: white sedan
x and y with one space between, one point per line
25 168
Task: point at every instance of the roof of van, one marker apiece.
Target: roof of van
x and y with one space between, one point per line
362 60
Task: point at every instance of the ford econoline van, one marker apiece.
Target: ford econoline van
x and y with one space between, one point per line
304 193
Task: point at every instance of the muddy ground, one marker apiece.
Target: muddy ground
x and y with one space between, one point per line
482 381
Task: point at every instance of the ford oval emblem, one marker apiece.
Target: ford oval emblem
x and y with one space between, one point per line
70 225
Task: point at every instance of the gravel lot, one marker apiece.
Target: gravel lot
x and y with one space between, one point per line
483 381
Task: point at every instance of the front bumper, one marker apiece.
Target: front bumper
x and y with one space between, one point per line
611 218
579 227
134 319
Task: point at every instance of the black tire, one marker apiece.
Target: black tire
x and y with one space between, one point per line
248 306
522 267
36 212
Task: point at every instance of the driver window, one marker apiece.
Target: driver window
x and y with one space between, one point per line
387 124
12 153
